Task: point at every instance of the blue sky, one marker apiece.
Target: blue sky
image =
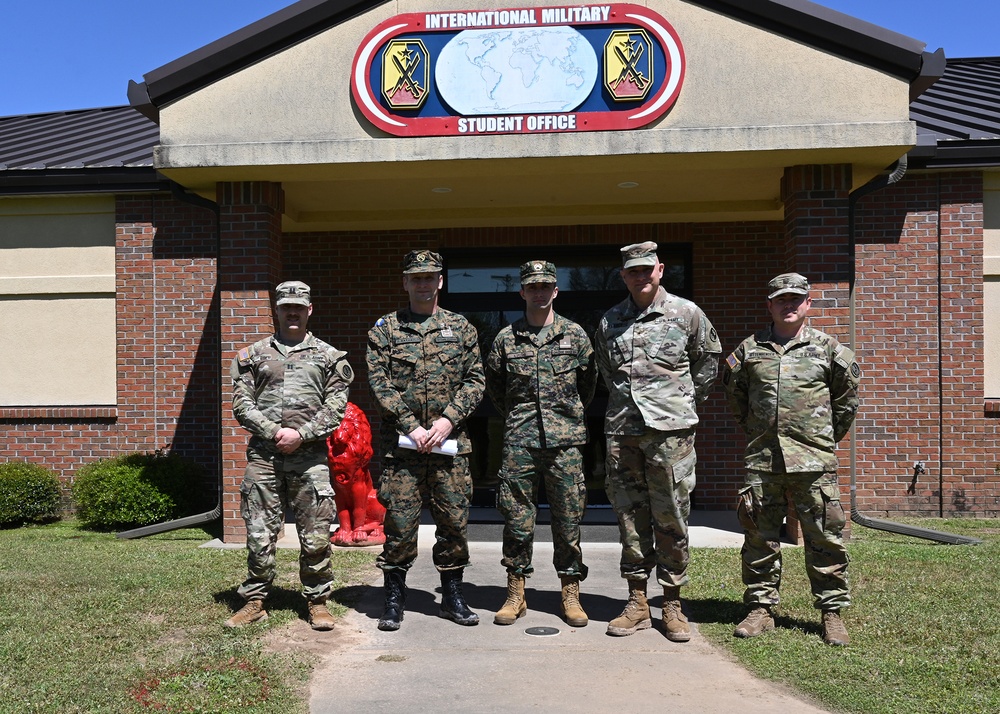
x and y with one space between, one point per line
78 54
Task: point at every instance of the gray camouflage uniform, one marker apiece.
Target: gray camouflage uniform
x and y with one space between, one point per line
794 402
659 364
541 386
305 387
420 368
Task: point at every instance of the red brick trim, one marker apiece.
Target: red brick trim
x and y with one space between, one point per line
992 408
62 414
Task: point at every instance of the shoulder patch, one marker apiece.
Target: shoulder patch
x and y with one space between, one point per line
379 322
243 357
733 362
345 371
855 370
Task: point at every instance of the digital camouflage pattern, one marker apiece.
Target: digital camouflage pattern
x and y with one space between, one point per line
304 387
555 376
445 484
541 386
420 368
520 473
794 402
658 363
816 498
272 484
649 483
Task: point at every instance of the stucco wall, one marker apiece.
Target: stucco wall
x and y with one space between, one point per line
57 301
745 90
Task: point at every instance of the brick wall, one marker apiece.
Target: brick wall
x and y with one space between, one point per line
167 350
920 341
918 403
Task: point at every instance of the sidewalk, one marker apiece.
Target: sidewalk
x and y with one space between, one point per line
432 665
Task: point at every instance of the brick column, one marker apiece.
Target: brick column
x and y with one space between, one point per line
817 245
249 268
816 240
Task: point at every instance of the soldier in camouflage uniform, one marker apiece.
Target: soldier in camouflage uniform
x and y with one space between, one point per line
659 355
426 377
290 393
540 374
793 390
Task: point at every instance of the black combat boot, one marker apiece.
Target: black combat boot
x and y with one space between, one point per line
453 605
395 598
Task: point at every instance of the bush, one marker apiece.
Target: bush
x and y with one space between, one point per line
28 493
135 490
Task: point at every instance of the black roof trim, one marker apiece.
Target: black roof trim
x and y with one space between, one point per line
36 182
801 20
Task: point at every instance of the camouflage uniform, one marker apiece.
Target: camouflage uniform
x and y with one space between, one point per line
659 364
794 402
541 385
304 387
420 368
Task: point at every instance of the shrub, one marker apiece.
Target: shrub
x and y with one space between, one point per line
136 490
28 493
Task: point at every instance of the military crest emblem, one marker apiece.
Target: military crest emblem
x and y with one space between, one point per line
405 74
628 65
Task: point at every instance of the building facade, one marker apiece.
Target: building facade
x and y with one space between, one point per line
141 243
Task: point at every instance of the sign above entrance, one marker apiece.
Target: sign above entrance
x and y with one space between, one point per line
518 71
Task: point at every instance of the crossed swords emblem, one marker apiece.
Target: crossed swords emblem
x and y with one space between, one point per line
406 71
629 68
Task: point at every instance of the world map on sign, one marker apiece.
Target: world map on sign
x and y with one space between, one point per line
516 71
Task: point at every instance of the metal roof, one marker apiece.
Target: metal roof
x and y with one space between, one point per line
958 118
111 137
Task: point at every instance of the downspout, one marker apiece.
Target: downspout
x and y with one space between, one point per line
877 184
208 516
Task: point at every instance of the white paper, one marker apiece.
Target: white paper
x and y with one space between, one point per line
448 448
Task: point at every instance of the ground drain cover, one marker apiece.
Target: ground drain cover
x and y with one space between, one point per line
542 631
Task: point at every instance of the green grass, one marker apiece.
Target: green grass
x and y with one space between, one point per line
924 623
90 623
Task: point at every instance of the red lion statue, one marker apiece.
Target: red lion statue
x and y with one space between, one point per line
359 513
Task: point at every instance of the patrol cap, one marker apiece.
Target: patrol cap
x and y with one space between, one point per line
639 254
538 271
292 292
422 261
787 283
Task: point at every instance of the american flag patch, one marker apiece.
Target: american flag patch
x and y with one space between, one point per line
732 361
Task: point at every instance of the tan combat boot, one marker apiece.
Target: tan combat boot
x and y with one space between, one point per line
635 616
515 606
675 625
253 611
572 610
319 617
834 631
756 623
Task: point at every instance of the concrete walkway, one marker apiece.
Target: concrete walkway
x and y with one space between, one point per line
433 665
